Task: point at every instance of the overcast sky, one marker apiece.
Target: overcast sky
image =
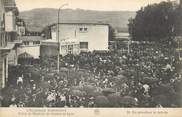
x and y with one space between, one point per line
106 5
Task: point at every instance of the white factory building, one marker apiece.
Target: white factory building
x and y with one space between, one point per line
77 37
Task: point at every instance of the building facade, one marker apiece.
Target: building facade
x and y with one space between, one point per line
83 36
3 47
8 36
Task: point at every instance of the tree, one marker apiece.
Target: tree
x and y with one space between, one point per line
153 23
178 21
111 33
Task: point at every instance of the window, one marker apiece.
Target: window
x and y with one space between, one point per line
84 45
83 29
26 43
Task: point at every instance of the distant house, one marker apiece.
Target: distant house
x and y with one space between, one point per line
77 37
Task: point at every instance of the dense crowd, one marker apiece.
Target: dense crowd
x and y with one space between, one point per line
147 76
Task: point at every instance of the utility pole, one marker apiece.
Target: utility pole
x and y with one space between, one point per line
58 57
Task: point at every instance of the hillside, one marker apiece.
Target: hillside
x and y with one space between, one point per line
37 19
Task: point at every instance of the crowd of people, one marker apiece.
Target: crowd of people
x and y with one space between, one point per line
147 76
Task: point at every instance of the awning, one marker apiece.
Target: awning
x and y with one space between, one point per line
69 41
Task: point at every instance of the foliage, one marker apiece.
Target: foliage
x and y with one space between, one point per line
156 22
178 21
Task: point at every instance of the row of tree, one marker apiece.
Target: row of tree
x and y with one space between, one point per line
156 22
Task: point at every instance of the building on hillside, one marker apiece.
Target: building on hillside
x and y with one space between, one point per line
78 37
8 36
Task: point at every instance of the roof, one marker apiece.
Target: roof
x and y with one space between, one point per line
49 42
81 23
25 55
30 38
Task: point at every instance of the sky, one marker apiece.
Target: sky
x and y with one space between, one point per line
103 5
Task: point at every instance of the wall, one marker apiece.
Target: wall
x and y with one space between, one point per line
12 57
3 70
32 50
10 22
96 35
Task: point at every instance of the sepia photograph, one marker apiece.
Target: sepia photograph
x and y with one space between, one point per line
91 54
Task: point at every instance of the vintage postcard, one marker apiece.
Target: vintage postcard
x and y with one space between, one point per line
90 58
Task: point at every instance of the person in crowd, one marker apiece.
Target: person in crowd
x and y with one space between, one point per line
140 74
